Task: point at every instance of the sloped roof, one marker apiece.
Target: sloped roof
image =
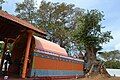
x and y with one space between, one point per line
19 21
10 26
45 45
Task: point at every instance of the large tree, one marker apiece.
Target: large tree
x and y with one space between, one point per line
58 20
27 10
89 33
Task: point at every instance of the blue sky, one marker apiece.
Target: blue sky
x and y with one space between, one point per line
110 8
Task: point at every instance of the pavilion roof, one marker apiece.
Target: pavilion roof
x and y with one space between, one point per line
10 26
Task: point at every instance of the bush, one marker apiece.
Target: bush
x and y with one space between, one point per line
112 64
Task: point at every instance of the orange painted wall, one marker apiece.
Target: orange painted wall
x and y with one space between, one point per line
49 64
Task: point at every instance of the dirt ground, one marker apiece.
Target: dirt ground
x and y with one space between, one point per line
99 77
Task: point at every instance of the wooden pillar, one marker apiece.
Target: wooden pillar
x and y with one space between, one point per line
27 53
3 55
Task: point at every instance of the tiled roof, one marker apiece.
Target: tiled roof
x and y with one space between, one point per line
19 21
45 45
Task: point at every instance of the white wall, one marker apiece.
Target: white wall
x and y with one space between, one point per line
113 72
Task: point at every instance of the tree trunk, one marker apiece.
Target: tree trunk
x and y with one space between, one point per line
92 66
90 56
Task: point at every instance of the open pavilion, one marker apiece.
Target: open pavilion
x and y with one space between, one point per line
11 28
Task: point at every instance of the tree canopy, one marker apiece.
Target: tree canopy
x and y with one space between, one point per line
26 10
69 26
66 24
111 59
57 19
88 33
112 64
111 55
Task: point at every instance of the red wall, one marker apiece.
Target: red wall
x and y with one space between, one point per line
49 64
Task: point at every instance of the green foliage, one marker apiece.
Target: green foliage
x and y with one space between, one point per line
1 49
111 58
26 10
65 24
9 46
89 31
58 20
112 64
2 1
105 56
111 55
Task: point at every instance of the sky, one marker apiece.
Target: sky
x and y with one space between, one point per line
110 8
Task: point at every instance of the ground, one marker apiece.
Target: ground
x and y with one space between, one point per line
98 77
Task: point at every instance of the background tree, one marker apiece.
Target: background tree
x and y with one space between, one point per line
110 55
26 10
88 33
1 2
1 49
111 59
68 26
112 64
105 56
58 20
115 55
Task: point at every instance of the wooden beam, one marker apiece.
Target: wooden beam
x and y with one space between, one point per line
27 53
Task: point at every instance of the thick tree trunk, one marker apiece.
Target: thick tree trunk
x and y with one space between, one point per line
90 56
92 66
